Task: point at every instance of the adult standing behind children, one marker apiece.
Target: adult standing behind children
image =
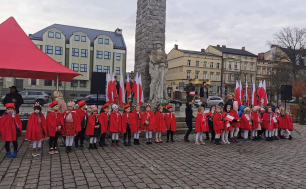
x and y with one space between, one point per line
204 93
189 88
58 96
13 97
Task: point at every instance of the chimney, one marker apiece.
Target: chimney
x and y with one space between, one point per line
243 48
273 46
224 46
218 45
202 50
176 46
118 31
260 56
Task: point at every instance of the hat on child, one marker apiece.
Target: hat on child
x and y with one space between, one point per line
37 106
105 106
169 106
93 108
127 106
10 105
71 104
148 105
52 104
114 106
81 103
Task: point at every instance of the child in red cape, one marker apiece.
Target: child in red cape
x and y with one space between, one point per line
72 125
104 124
170 123
36 129
246 122
227 124
276 114
268 124
235 123
115 125
283 122
148 122
55 122
82 112
10 129
218 124
137 115
93 129
256 124
290 125
160 123
201 126
129 125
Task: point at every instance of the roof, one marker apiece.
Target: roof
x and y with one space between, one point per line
91 33
234 51
198 52
20 57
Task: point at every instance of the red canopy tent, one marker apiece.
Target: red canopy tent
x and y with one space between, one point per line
20 57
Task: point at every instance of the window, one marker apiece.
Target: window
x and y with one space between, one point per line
57 35
211 65
251 78
48 82
229 77
251 58
75 67
106 69
245 58
83 39
239 57
205 64
100 40
252 67
258 70
245 66
98 68
236 66
77 38
59 83
197 75
204 76
197 63
106 41
118 56
75 52
74 83
49 49
188 62
117 70
107 55
84 52
99 54
218 77
269 71
33 81
230 65
188 74
211 76
59 50
263 71
218 65
32 93
245 78
50 34
83 67
82 83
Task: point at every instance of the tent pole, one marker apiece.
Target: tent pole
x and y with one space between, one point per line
57 82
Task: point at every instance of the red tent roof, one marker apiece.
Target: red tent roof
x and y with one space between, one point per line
20 57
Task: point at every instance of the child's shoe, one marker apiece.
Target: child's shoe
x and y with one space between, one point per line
9 155
55 150
197 143
290 137
51 151
38 151
34 153
15 153
95 146
160 140
113 143
125 143
117 143
129 143
90 147
202 143
67 149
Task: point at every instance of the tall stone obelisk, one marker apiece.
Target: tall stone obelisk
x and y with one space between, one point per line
150 30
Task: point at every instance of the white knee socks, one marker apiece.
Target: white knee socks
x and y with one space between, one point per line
254 133
37 144
268 133
158 135
246 134
93 140
275 132
226 137
199 137
288 132
222 138
148 134
136 135
69 140
115 136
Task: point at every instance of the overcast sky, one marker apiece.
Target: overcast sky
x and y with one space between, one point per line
192 24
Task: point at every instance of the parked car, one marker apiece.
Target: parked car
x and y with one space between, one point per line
215 100
176 102
197 102
30 97
293 100
91 99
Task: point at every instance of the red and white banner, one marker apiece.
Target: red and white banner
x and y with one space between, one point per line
237 93
141 99
241 94
128 86
135 86
121 92
109 96
254 98
247 94
265 98
192 93
259 93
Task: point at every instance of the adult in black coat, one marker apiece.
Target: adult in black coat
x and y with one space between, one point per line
230 101
13 97
188 119
204 94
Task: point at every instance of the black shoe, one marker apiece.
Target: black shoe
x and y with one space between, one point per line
135 142
290 137
90 147
70 149
95 146
148 141
217 142
138 143
271 139
282 137
113 143
267 138
82 146
207 139
172 140
254 139
125 143
276 138
101 143
67 149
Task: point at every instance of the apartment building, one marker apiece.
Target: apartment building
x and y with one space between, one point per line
237 64
187 64
83 50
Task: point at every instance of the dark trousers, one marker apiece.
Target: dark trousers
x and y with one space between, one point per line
53 141
102 137
7 145
128 133
212 132
80 136
168 134
189 125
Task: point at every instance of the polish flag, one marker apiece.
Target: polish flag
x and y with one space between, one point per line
114 89
109 96
265 98
135 86
121 92
192 93
259 93
254 99
141 99
237 93
247 94
127 86
241 93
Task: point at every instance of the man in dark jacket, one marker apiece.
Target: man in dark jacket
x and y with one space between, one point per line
230 101
13 97
204 94
117 85
189 88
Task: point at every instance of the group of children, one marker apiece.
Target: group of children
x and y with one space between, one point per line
73 124
227 124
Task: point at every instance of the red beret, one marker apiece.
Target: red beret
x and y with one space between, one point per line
127 106
53 104
10 105
169 106
105 106
81 103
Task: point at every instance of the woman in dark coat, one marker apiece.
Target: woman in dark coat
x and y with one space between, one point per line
204 94
188 119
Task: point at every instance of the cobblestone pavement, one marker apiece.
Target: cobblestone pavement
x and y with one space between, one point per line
278 164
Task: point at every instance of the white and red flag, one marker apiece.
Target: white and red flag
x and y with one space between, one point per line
128 86
109 95
237 93
141 99
241 94
254 99
121 92
247 94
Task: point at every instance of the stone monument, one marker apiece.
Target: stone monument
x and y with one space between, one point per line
150 35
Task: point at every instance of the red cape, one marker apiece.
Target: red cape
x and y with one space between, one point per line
276 117
160 122
266 123
256 119
81 114
290 123
52 123
132 123
218 123
104 122
8 127
90 129
138 122
224 114
151 120
170 121
283 122
245 122
34 128
236 116
199 125
76 120
115 122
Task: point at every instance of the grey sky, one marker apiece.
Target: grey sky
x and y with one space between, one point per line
194 24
